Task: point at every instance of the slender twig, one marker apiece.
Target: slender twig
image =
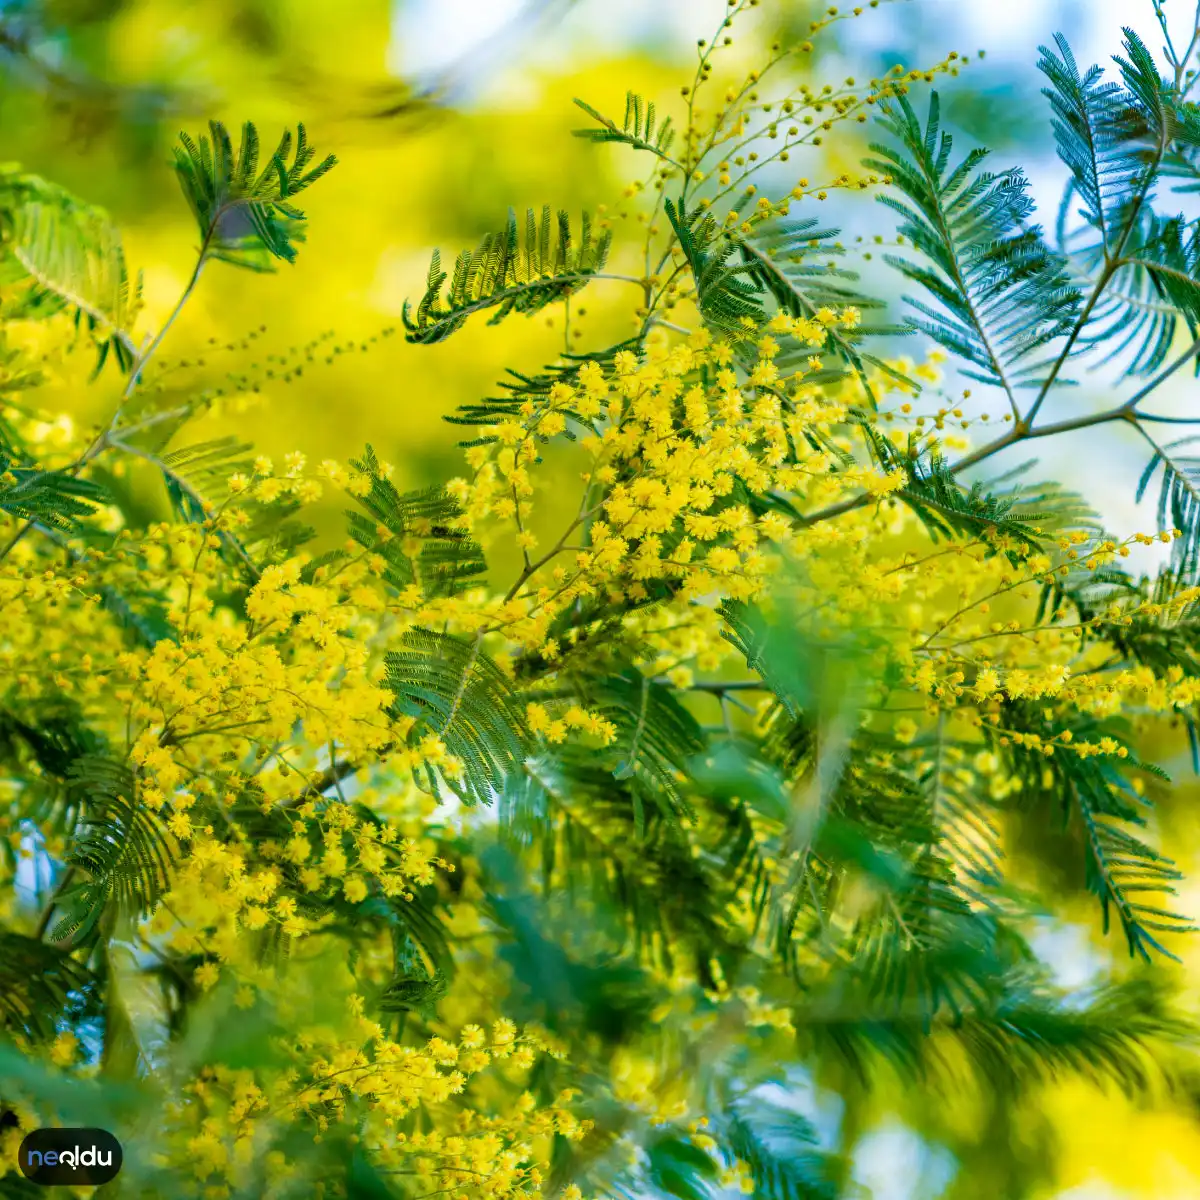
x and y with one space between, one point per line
1126 411
716 687
104 438
43 925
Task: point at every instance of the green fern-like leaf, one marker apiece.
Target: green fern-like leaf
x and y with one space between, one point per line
1092 129
59 254
519 389
757 639
197 481
121 849
36 983
1000 294
948 510
656 739
247 216
726 297
1127 875
1153 291
601 848
639 130
509 273
964 820
780 260
1021 1034
1117 138
54 499
783 1152
457 693
447 561
1178 499
1124 871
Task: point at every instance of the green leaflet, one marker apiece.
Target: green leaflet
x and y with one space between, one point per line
457 693
246 216
508 273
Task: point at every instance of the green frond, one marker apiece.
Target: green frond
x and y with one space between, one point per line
55 499
1153 291
1178 499
805 674
656 740
639 130
1126 874
678 1169
448 559
751 802
206 468
599 849
783 1152
64 255
510 273
1152 294
963 817
921 951
1123 871
197 481
1116 138
120 848
246 216
724 296
43 741
141 612
413 994
455 692
755 638
1021 1036
1000 294
949 510
37 981
1167 250
1092 134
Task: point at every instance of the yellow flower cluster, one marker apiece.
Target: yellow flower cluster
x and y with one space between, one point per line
231 1120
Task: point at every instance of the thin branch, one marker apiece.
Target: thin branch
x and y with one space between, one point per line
43 925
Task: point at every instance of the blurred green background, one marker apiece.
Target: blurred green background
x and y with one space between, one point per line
444 113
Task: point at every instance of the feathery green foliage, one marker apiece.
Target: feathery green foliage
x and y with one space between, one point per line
36 984
1002 294
782 1151
60 254
448 559
1178 498
510 273
55 499
520 388
456 692
724 294
780 262
1119 139
638 130
246 216
946 508
121 849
